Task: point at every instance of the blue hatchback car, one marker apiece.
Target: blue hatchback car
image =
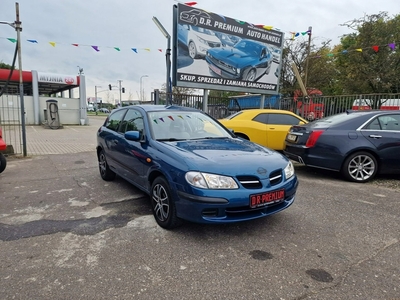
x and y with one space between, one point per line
192 167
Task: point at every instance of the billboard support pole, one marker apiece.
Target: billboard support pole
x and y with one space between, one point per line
168 87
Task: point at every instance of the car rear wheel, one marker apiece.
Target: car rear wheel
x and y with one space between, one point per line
192 50
105 171
360 167
163 206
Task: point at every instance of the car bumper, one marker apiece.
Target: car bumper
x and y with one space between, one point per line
313 158
217 209
217 71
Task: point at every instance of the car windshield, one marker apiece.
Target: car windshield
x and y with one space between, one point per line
182 125
234 115
249 47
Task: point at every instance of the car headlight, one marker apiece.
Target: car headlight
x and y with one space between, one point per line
201 40
210 181
289 170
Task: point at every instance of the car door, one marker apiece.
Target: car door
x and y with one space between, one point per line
132 154
384 133
277 127
111 139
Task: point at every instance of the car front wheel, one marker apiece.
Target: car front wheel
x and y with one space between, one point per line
360 167
251 75
105 171
192 50
162 204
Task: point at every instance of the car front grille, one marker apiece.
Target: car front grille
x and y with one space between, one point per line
249 182
222 65
253 182
214 44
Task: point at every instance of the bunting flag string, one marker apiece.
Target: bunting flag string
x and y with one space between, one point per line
375 48
94 47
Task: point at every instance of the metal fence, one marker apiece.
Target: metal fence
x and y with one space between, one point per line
10 121
309 108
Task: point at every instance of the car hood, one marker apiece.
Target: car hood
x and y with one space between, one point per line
232 56
226 156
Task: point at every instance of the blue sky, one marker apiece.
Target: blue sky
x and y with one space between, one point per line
128 24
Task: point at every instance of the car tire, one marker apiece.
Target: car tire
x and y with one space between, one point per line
3 162
360 167
163 205
250 75
192 50
105 171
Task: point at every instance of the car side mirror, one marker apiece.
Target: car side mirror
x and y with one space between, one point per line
132 136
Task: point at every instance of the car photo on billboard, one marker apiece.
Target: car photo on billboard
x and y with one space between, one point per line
248 60
197 40
213 51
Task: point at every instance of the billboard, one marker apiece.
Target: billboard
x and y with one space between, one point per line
215 52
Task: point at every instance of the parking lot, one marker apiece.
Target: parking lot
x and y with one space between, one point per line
67 234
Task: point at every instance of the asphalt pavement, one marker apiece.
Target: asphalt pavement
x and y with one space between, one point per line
67 234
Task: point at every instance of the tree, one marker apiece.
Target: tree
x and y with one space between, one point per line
178 90
321 71
5 66
368 64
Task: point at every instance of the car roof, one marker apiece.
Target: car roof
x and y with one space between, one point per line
371 112
151 107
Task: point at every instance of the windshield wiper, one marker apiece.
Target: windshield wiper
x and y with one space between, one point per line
170 140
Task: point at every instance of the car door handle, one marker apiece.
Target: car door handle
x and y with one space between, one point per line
374 136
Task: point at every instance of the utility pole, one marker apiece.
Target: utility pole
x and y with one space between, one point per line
308 56
18 28
120 92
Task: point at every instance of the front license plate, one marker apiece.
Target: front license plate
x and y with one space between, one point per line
263 199
291 137
215 69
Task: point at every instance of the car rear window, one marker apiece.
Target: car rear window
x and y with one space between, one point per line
335 119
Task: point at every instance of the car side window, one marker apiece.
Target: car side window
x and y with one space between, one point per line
115 119
375 124
391 122
133 121
282 119
261 118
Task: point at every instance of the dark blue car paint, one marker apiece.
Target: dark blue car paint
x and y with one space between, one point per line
226 59
338 141
140 159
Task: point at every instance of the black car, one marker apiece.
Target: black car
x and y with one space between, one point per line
359 144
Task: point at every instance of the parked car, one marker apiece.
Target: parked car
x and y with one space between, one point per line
267 127
191 167
197 39
247 60
3 147
226 39
359 144
104 110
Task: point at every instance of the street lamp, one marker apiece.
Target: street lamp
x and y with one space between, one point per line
120 91
95 93
141 89
167 57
